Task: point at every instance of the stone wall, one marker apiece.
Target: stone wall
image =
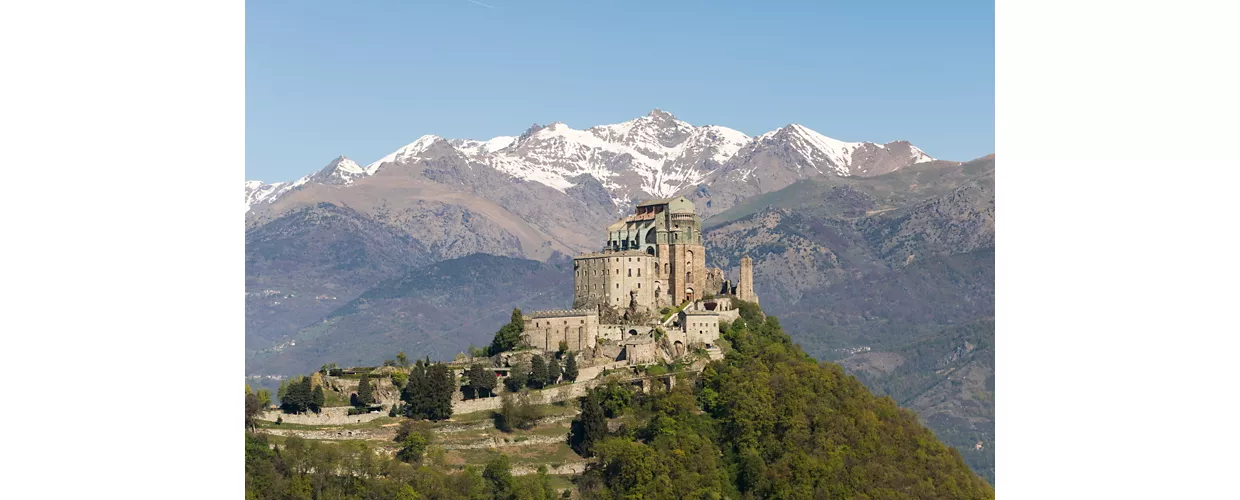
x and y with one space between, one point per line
617 333
545 330
329 416
614 278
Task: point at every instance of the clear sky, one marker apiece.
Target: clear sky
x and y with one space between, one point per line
325 78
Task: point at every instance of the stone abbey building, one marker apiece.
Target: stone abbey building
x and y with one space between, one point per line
651 260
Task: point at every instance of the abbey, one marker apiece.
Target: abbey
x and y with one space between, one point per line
651 261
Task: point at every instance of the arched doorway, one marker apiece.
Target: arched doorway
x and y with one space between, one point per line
689 294
680 348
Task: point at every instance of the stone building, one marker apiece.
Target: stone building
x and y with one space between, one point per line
651 259
744 290
577 327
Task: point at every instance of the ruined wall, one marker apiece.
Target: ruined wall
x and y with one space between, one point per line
641 353
618 333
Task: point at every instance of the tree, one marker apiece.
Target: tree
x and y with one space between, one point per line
413 440
563 349
480 379
296 396
429 392
590 426
253 406
516 412
416 391
402 359
518 375
318 400
570 368
553 371
509 335
264 398
365 394
538 372
488 381
499 473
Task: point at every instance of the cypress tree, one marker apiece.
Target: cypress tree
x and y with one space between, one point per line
318 400
415 391
365 394
570 368
590 427
441 384
553 371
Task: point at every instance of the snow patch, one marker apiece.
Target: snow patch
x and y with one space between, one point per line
405 153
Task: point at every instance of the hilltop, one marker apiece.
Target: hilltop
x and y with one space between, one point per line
718 431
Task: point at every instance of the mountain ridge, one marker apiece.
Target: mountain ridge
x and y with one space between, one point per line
652 156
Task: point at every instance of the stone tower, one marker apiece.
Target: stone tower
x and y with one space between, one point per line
744 290
654 256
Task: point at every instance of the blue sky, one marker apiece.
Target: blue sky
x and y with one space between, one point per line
325 78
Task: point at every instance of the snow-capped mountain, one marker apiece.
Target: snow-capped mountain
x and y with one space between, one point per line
653 156
340 172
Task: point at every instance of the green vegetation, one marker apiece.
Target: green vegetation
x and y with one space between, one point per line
767 421
538 372
509 335
481 379
553 372
365 393
413 439
774 424
302 469
590 427
428 394
299 395
570 368
517 412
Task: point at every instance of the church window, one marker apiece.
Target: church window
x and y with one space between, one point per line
630 273
617 286
639 285
639 272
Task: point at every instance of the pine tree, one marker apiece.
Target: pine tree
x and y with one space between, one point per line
553 371
402 359
570 368
517 319
538 372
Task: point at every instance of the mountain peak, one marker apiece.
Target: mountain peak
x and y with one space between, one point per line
410 150
659 114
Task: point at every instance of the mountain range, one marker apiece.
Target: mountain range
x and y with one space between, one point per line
868 253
